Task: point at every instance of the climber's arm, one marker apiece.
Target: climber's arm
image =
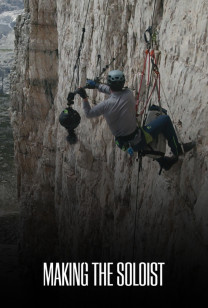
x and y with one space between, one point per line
91 84
104 88
95 111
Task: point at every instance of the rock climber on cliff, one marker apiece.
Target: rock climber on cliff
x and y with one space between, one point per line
120 113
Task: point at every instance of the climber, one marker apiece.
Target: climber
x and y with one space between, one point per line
120 113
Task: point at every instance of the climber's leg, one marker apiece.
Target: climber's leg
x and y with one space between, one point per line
163 124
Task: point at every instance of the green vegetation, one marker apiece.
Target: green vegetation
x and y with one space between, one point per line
5 50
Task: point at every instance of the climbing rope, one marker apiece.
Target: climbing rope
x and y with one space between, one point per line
77 63
99 60
151 59
136 211
143 73
153 15
101 70
156 85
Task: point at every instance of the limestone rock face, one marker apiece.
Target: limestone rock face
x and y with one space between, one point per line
34 86
90 192
9 10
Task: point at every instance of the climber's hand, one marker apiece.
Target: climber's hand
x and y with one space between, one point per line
90 84
82 93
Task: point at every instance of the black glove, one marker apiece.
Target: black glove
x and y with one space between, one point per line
82 93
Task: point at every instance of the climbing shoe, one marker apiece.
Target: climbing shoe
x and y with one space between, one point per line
166 162
186 147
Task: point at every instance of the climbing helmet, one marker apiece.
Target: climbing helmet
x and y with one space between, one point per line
116 78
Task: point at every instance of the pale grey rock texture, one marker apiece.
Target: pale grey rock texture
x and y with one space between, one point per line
9 10
33 89
86 195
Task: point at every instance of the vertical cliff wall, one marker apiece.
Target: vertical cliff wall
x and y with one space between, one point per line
8 13
34 87
89 190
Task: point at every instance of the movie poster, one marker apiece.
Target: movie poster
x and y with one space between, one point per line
103 153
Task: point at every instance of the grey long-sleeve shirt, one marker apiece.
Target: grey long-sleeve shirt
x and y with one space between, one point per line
118 110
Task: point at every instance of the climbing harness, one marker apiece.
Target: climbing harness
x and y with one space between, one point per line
154 148
123 141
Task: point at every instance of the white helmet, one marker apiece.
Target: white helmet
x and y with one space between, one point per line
116 79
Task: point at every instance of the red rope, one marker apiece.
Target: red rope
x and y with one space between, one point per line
158 87
148 79
143 72
155 83
157 80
